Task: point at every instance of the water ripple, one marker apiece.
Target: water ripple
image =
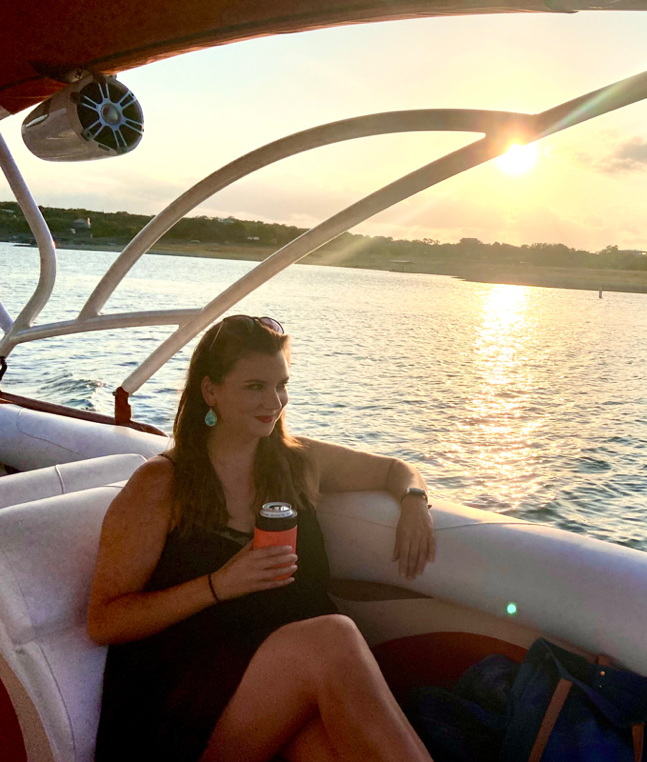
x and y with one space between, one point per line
526 401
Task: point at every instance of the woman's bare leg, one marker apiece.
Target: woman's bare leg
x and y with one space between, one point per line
311 744
316 668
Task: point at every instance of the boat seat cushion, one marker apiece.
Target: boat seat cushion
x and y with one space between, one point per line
32 439
67 477
48 553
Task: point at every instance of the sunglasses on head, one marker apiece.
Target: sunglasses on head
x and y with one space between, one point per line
247 321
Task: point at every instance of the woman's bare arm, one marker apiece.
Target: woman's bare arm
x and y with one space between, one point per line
342 469
132 539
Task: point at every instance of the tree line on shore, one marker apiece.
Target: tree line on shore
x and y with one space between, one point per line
348 249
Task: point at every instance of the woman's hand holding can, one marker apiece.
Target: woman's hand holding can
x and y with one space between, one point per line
276 524
251 570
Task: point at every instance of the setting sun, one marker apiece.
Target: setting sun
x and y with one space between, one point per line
518 159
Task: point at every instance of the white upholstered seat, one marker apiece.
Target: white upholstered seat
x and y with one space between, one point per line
50 666
32 439
67 477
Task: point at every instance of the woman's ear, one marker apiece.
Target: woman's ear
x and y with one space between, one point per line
209 391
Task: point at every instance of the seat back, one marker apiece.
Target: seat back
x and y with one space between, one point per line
67 477
32 439
51 668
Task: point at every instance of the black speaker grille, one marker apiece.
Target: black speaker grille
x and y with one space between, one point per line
110 115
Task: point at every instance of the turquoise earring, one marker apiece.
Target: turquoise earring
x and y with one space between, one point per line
211 418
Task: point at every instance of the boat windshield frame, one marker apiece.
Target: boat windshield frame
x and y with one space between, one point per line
499 129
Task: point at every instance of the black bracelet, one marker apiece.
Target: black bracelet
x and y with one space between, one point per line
213 592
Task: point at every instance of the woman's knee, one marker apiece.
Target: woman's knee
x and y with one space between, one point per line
322 637
325 654
323 632
336 629
332 643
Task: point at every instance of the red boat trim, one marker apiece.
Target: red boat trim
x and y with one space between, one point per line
42 44
123 411
70 412
437 658
13 746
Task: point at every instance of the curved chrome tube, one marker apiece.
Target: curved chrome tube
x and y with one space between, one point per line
436 120
45 243
452 164
500 128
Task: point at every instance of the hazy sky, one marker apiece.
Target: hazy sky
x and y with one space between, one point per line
587 188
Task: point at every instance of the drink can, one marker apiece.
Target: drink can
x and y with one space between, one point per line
276 524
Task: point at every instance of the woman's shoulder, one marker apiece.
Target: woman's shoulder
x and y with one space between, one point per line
317 449
310 445
309 448
158 470
149 490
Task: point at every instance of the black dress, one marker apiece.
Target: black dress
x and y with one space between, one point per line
163 695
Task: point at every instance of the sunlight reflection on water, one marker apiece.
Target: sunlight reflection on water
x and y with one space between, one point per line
508 398
504 376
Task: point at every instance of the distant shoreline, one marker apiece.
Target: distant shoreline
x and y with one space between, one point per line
627 281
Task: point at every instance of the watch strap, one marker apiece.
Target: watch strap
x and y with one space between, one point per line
414 491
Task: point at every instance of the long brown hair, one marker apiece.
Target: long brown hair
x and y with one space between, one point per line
280 466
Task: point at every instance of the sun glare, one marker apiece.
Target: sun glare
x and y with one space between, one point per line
518 159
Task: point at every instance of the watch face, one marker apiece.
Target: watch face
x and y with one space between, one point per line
415 491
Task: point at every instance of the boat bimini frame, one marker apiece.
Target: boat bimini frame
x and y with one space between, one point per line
500 130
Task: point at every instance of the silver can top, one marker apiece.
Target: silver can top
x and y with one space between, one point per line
278 510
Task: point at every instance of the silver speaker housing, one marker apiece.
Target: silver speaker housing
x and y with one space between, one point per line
94 118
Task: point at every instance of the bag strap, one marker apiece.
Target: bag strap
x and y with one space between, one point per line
638 735
550 718
558 700
638 729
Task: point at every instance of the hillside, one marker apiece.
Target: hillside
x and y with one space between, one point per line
541 264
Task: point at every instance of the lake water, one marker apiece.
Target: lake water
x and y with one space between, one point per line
509 398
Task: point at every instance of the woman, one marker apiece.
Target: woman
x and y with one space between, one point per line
218 651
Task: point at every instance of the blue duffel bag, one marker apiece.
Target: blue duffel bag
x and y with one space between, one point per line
554 707
562 708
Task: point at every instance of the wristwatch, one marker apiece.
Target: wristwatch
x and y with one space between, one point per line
414 491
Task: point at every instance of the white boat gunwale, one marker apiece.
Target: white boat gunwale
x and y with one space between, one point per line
484 562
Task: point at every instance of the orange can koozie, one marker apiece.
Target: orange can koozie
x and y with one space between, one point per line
276 524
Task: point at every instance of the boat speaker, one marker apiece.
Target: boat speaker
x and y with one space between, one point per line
93 118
